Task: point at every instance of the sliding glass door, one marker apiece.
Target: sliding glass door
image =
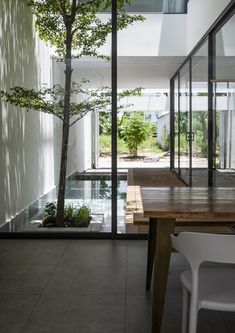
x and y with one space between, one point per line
199 116
224 105
184 122
191 118
203 110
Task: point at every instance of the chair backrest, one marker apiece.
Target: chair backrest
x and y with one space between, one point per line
199 247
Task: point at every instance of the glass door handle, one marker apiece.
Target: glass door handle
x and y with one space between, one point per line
190 136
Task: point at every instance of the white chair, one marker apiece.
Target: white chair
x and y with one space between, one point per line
210 287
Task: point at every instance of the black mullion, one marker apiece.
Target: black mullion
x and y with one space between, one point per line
225 15
114 118
172 124
190 122
211 118
179 172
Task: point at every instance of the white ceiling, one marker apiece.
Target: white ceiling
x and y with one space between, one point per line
147 72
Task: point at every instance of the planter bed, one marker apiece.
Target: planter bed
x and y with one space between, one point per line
95 225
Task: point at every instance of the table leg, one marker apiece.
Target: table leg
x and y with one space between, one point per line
151 250
165 227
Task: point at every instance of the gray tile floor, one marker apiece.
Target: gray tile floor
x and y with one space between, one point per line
87 286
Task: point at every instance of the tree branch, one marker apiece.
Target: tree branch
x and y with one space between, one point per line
51 110
63 10
73 11
79 118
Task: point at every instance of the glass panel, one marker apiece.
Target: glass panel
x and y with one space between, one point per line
176 125
145 6
224 101
200 116
184 122
40 165
175 6
225 133
143 121
157 6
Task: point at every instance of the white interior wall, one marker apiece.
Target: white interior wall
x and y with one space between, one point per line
79 153
173 38
28 140
158 35
201 15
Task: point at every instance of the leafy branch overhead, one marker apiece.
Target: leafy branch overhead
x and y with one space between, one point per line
89 31
51 100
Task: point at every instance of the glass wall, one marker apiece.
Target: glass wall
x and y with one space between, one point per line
137 153
191 118
176 123
175 6
199 98
205 134
89 159
158 6
184 121
224 104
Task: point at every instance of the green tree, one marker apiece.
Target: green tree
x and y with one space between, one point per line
105 123
134 130
74 29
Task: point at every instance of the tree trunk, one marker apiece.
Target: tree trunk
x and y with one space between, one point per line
65 132
135 151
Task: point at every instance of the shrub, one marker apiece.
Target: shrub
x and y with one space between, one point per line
134 130
69 211
50 209
82 215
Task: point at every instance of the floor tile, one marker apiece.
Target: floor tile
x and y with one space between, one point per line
138 314
14 311
178 259
88 280
229 320
83 314
95 252
136 280
211 321
22 279
208 321
174 283
32 252
88 286
137 252
171 321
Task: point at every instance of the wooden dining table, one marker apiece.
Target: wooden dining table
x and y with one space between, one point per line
188 205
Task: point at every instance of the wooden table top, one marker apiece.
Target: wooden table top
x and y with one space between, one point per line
188 202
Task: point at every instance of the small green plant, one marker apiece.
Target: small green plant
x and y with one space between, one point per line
50 209
73 216
69 211
82 215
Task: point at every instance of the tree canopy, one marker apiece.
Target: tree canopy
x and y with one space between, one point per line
88 30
